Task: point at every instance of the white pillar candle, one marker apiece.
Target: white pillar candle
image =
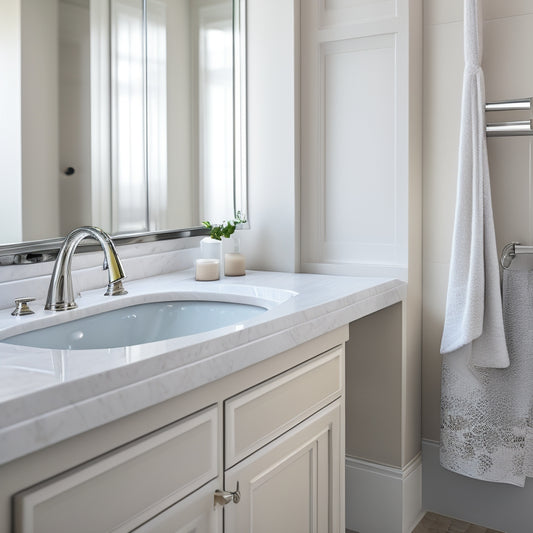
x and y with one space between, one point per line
234 264
207 269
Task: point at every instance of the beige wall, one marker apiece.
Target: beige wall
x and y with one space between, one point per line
374 378
508 47
40 127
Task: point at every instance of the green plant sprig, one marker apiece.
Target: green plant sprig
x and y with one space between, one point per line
226 229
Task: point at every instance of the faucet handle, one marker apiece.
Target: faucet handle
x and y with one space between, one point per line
22 307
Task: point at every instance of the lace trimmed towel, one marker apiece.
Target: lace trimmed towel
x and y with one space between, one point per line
486 430
487 384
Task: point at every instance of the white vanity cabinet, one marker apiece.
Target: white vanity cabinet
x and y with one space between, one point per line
289 432
274 430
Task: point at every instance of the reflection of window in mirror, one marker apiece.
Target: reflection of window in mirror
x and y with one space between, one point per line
139 105
173 117
215 112
129 191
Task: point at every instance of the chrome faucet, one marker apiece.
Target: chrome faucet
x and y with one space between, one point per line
60 293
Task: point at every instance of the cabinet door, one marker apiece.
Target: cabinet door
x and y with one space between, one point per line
194 514
293 485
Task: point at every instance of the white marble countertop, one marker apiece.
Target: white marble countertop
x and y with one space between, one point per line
49 395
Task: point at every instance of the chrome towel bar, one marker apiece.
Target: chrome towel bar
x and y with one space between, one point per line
511 250
509 129
523 104
513 128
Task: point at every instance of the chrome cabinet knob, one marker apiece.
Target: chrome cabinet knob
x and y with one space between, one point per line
21 306
223 497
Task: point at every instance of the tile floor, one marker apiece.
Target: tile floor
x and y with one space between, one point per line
434 523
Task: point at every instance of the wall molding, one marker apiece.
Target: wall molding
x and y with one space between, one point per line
382 498
357 269
332 13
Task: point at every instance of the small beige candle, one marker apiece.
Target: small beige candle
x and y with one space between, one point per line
207 269
234 264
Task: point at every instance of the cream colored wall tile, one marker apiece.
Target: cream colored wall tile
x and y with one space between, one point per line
508 47
509 160
442 11
443 68
445 11
435 284
506 8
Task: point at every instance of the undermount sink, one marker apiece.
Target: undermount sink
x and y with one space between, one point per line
138 324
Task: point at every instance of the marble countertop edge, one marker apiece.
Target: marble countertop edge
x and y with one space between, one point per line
66 416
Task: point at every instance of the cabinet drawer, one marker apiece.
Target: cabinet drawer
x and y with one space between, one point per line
194 514
124 488
259 415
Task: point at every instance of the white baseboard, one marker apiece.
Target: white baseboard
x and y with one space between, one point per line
383 499
492 505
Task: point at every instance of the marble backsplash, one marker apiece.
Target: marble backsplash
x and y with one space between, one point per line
139 260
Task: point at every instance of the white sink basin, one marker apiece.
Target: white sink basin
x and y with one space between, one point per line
138 324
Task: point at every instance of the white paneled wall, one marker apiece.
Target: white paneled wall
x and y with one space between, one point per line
355 136
360 212
357 126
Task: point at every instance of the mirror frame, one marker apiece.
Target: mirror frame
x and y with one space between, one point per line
39 251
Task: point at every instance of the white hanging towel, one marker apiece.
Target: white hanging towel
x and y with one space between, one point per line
486 423
473 320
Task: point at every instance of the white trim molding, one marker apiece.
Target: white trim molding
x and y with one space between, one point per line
383 499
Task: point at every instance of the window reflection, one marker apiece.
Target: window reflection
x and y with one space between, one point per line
142 105
215 110
139 106
128 183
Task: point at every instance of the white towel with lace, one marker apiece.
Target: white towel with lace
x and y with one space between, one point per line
486 413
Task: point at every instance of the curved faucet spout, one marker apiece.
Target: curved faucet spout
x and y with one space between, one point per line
60 292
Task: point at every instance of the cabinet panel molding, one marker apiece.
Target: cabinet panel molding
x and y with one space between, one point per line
339 12
259 415
356 123
294 483
355 175
359 129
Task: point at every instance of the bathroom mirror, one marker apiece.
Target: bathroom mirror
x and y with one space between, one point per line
123 114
